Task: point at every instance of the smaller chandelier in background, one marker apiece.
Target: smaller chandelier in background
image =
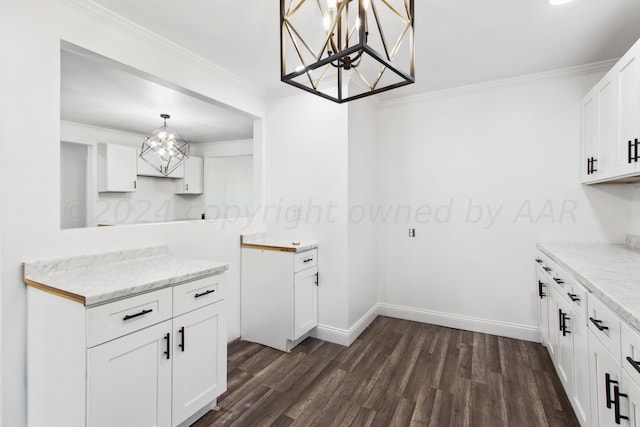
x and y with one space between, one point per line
347 49
164 149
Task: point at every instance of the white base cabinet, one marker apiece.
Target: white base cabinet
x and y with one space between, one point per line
279 302
156 359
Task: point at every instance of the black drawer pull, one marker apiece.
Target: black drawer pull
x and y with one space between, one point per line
541 286
607 384
210 291
633 363
181 332
598 324
307 260
558 281
573 297
167 337
547 269
538 260
142 313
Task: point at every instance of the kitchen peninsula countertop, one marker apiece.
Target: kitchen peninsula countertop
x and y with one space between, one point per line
101 278
609 271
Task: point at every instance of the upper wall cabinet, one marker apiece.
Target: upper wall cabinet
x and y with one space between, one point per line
611 124
193 181
117 168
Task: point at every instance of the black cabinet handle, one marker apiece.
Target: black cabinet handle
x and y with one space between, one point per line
564 324
558 281
142 313
541 285
317 278
181 332
634 363
633 151
616 404
538 260
573 297
607 384
307 260
547 269
167 337
598 324
207 292
590 165
560 320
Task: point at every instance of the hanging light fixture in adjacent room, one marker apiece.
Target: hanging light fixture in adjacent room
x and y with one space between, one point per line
164 149
347 49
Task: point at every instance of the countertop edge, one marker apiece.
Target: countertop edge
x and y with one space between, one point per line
611 303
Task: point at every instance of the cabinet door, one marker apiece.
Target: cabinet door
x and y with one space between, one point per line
581 398
564 356
200 361
193 182
628 96
305 300
604 373
117 168
589 136
629 404
542 288
129 380
554 324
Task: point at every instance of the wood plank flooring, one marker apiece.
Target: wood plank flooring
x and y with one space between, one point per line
398 373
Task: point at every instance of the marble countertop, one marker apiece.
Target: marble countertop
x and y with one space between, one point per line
609 271
101 278
261 241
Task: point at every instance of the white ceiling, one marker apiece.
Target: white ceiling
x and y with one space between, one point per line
97 91
458 42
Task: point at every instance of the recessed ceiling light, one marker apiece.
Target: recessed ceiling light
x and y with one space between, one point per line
558 2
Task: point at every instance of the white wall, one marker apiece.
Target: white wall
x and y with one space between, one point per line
484 173
30 135
307 165
362 230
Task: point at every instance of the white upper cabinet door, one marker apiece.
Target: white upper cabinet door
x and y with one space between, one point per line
117 168
589 150
305 302
628 105
200 361
193 181
130 380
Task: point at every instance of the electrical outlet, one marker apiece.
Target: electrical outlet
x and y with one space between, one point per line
412 232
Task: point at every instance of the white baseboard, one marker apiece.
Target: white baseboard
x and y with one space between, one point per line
346 337
493 327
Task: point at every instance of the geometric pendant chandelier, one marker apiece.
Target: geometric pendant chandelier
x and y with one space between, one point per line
347 49
164 149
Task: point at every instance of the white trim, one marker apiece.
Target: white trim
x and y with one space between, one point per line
579 70
346 337
493 327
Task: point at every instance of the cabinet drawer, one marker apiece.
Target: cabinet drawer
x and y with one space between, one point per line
197 293
304 260
605 325
630 352
122 317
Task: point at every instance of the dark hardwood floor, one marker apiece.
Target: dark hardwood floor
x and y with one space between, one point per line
398 373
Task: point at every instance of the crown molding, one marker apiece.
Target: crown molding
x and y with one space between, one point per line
601 66
112 19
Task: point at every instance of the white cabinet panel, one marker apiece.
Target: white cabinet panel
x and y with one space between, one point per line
117 168
200 357
193 181
305 314
130 380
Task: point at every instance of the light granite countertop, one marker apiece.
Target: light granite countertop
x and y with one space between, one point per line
609 271
262 241
101 278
